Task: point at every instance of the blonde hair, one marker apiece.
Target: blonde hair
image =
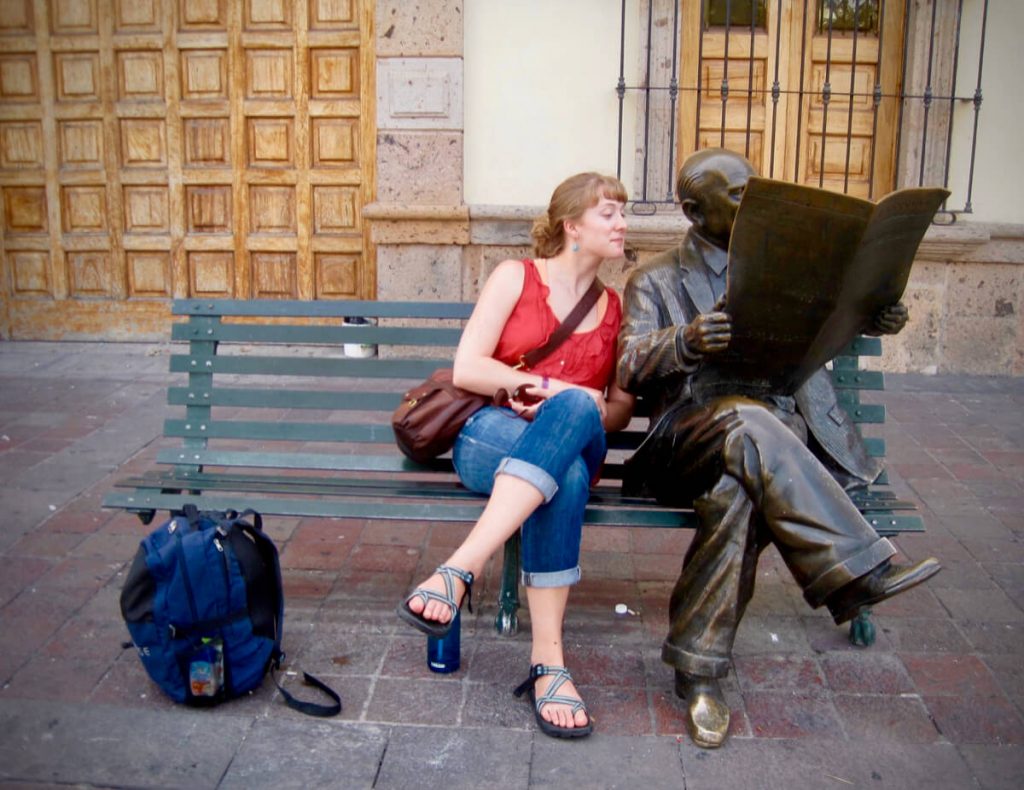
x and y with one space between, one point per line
568 202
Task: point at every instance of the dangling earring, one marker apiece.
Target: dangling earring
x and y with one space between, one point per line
575 246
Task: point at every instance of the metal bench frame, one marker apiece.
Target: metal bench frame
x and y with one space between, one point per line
251 366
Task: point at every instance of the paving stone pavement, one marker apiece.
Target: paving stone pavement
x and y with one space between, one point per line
937 702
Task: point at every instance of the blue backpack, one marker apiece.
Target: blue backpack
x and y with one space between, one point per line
204 605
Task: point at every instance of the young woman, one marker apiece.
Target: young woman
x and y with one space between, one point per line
537 460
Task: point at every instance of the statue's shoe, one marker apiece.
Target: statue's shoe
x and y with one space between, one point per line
707 715
883 582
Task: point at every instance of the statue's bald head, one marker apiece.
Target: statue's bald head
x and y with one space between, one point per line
709 187
707 165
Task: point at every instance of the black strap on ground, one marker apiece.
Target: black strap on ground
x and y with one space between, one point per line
311 708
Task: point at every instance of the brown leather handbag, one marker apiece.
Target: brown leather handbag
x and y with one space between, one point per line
430 416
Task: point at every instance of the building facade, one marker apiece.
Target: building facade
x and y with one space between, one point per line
348 149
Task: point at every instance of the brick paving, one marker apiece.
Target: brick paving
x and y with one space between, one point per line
938 701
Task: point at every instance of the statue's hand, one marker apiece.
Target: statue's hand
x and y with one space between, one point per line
891 319
708 333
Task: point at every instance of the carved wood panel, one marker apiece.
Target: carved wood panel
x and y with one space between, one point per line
146 209
80 144
21 145
16 17
865 165
154 149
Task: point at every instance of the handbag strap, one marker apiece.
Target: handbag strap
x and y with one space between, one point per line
566 328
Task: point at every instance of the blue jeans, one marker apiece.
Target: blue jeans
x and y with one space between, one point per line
560 452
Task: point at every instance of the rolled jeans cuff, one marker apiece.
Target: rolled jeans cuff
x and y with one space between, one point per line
532 474
565 578
846 571
694 664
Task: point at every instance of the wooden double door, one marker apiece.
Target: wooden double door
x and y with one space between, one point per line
803 131
155 149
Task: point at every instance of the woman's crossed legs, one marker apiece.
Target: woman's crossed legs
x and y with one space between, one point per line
538 475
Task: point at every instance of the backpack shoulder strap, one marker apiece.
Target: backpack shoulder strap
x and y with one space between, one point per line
302 706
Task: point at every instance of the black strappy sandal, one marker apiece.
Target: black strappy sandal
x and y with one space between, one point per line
562 676
434 627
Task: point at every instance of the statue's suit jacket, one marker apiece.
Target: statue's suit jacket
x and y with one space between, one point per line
668 292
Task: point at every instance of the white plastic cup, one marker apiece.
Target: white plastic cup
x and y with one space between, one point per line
359 350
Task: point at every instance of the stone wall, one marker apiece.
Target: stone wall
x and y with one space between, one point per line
966 299
419 223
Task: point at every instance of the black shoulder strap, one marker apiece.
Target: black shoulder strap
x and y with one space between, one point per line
567 327
255 530
233 517
309 708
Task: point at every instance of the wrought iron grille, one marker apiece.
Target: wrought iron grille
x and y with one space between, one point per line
929 106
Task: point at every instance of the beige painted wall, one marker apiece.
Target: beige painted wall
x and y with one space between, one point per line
540 101
998 194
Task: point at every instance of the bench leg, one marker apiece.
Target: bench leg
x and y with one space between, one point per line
862 630
507 621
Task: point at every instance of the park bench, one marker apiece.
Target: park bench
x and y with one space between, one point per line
283 413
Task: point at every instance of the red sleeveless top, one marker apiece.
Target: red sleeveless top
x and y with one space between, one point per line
585 358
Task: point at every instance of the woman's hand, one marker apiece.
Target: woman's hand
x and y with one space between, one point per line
524 411
526 399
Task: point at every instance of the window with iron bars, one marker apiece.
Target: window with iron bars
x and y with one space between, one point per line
859 96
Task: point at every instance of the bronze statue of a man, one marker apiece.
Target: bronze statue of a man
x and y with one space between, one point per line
762 471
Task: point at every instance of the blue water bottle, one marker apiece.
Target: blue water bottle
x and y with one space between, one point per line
443 651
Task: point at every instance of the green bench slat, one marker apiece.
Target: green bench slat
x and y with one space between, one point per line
874 496
279 431
877 506
893 524
276 484
402 488
369 433
290 308
284 460
318 335
349 508
869 413
858 379
849 399
387 400
863 347
875 446
341 400
313 367
406 487
269 459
